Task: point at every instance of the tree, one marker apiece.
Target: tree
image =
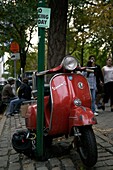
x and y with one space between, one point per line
17 23
23 17
92 28
57 32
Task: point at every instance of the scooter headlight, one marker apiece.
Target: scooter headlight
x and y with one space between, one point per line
77 102
69 63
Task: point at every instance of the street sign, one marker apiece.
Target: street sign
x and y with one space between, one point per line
14 47
15 56
44 17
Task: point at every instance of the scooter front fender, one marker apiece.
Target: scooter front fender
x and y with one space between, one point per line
81 116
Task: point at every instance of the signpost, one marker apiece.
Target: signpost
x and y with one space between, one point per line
40 88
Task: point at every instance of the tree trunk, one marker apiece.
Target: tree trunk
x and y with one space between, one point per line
23 59
57 32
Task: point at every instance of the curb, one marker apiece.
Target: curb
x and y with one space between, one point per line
2 122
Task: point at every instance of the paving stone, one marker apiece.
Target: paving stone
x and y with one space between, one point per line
67 162
54 162
3 152
56 168
105 158
10 160
109 168
104 168
110 149
12 152
14 166
14 158
100 164
106 144
40 164
109 162
3 145
105 154
70 168
43 168
3 161
99 140
28 166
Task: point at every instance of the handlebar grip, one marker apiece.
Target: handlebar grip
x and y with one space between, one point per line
41 73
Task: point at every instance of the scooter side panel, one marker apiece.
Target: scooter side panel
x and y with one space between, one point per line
30 117
61 101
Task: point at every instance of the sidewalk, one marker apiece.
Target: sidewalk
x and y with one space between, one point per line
104 136
105 125
11 160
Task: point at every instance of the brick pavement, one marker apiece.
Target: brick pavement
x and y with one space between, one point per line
10 160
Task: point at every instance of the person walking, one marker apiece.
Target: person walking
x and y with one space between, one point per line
99 81
107 71
24 93
7 91
92 83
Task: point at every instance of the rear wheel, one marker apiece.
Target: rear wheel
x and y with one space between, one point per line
87 146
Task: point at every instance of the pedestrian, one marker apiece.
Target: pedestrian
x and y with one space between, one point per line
91 77
107 71
99 81
7 91
24 93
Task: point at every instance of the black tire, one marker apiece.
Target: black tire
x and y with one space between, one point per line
87 146
21 144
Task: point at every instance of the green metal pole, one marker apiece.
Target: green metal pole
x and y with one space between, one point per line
40 88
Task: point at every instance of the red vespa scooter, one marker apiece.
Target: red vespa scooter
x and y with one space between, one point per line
67 111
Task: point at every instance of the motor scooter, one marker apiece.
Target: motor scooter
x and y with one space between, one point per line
67 112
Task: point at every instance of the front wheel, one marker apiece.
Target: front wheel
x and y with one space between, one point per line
87 146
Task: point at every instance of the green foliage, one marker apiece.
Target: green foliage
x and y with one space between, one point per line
31 62
18 22
91 28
